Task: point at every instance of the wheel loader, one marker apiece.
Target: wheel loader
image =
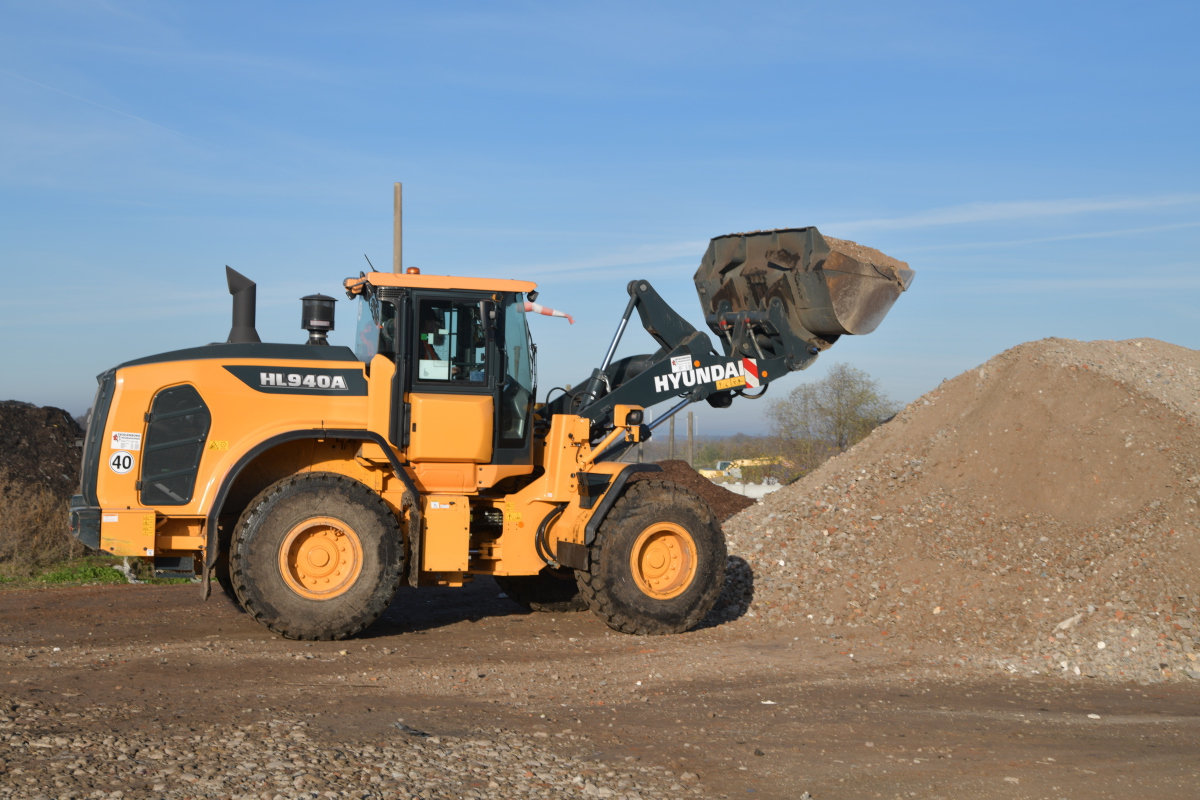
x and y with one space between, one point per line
312 481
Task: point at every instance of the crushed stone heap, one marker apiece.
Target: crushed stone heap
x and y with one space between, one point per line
1038 513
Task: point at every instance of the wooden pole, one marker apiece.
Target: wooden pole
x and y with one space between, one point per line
398 228
691 442
671 444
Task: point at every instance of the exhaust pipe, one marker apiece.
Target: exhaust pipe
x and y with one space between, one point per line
244 293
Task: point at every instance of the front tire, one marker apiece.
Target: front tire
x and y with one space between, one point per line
316 556
658 563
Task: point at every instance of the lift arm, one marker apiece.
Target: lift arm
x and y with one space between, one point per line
775 300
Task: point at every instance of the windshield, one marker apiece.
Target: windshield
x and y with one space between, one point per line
376 328
366 336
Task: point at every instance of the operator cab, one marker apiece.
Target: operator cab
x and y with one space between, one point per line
465 371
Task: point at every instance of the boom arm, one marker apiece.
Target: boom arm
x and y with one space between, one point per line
685 366
775 299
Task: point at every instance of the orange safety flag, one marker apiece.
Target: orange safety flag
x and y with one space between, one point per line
549 312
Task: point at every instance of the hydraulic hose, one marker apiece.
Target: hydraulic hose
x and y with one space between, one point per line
540 540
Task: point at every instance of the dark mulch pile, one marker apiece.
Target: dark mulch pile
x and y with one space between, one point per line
724 503
37 447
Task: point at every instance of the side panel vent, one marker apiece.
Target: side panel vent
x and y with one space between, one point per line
179 423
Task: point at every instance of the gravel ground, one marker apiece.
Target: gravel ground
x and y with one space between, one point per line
1036 515
144 692
71 754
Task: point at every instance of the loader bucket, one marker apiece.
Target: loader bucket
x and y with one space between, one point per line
826 286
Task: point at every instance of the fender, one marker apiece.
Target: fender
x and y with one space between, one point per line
610 498
310 433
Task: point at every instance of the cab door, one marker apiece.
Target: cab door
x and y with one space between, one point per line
452 385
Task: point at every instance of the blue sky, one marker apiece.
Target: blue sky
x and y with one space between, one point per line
1035 163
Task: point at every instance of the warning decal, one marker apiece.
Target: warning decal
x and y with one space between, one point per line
125 441
750 368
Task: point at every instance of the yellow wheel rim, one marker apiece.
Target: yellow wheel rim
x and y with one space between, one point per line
663 561
321 558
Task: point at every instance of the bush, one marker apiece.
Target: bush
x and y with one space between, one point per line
33 528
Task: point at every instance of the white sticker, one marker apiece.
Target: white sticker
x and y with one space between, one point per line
120 462
110 518
681 363
430 370
125 441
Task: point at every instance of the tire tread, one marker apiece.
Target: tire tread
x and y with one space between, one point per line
252 517
595 589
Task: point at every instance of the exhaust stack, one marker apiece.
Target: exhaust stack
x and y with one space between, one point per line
244 293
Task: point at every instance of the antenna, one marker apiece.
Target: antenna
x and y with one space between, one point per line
369 264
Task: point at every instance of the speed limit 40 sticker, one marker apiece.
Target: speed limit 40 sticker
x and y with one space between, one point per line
120 462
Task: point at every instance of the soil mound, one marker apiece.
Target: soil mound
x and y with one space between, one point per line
39 446
723 502
1038 513
39 471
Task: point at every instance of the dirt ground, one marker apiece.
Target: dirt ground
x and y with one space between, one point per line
144 691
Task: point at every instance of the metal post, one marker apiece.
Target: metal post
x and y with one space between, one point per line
691 441
671 439
398 228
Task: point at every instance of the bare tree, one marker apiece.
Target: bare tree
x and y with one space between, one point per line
818 420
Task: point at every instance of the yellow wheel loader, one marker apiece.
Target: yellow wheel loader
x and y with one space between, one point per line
312 481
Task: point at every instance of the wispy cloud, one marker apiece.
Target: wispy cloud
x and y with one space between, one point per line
110 109
252 65
643 255
1020 209
1064 238
1076 285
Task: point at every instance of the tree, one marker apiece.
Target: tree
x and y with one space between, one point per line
818 420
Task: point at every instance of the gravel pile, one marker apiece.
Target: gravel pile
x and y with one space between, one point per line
1036 514
52 752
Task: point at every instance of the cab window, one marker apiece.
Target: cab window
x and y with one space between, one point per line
516 394
451 342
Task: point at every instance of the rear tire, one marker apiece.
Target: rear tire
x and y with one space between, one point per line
316 556
658 563
549 590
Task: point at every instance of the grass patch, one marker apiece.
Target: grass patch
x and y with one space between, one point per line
88 570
